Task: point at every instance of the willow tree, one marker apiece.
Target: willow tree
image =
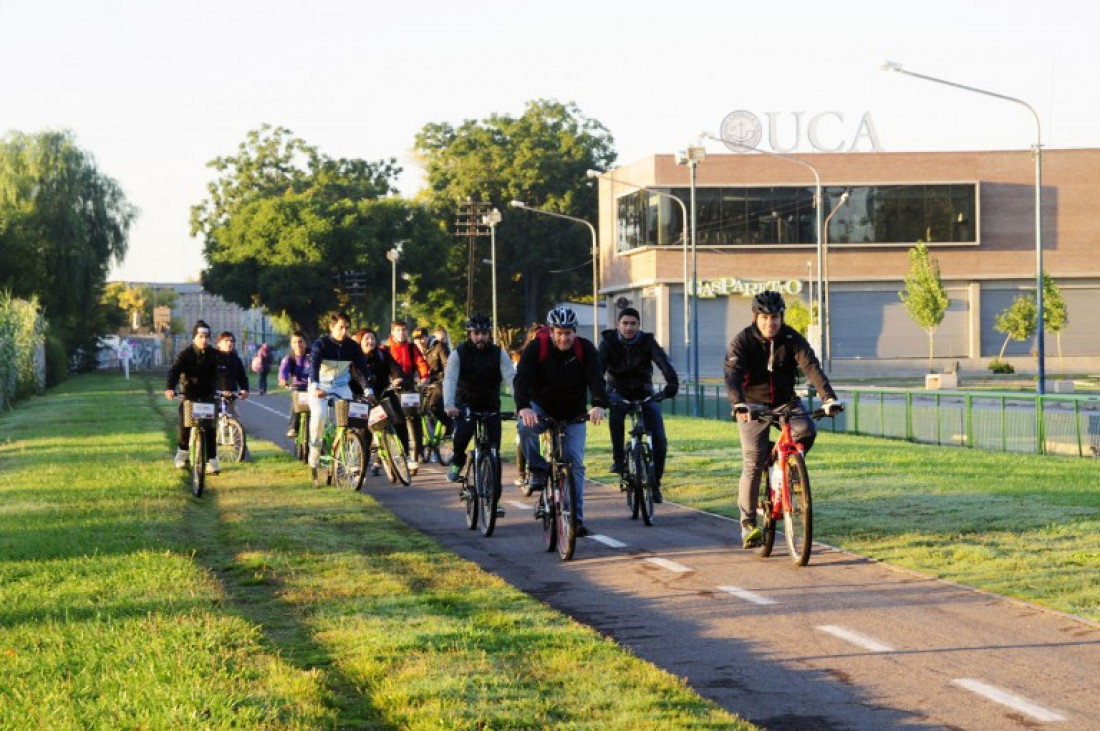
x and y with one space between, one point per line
924 297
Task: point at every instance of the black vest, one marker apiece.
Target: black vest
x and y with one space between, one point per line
479 377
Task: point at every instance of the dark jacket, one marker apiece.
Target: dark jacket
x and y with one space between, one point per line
749 379
335 362
436 357
193 373
560 384
231 373
481 371
628 367
381 370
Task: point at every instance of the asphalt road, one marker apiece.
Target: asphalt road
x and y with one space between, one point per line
844 643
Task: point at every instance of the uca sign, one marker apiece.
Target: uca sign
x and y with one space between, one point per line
743 131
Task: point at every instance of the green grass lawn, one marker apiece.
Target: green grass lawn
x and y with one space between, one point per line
1020 525
126 603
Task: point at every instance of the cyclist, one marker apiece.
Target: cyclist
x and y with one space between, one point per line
628 356
331 361
294 374
412 362
474 373
381 371
435 351
761 368
196 369
555 376
232 376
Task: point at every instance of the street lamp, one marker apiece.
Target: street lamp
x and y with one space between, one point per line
827 356
691 157
1040 346
393 255
491 219
595 262
683 237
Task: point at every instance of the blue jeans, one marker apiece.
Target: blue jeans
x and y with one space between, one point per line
654 423
573 444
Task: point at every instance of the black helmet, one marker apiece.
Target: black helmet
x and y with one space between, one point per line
561 317
479 322
768 303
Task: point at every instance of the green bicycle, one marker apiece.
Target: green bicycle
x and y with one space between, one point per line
343 458
300 404
199 417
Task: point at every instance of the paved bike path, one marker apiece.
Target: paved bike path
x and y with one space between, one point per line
842 643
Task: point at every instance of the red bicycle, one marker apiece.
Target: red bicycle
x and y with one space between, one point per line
785 495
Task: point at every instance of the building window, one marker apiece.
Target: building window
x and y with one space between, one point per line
785 216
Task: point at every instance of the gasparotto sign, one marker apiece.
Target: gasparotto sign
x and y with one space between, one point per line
732 287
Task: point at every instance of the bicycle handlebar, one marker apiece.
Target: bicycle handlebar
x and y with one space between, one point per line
476 415
786 411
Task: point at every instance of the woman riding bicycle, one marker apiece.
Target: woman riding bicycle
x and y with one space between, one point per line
761 368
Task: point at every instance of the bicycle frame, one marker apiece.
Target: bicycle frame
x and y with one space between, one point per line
481 500
638 487
557 506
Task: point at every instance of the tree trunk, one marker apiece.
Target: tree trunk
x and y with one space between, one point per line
1001 355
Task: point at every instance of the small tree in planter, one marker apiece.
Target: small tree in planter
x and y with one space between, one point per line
925 298
1018 322
1055 314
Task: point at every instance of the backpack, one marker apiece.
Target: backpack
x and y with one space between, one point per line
257 362
544 346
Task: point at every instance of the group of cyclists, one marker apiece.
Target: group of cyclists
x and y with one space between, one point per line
559 376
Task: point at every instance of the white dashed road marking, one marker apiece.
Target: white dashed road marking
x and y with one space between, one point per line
856 638
1005 698
518 504
670 565
608 541
747 595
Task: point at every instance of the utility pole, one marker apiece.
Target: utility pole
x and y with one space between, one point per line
470 223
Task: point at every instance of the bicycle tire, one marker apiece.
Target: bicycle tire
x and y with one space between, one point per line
646 482
301 441
488 491
469 492
197 455
798 519
395 450
549 519
767 541
444 450
347 461
566 496
231 437
630 477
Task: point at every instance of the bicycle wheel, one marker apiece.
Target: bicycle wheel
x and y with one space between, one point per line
565 494
798 519
301 442
469 492
444 448
230 440
198 461
549 518
488 492
767 541
395 451
646 481
348 463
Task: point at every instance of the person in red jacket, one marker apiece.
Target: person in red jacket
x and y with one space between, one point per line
415 368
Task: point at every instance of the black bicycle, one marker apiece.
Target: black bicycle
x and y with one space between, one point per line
199 417
481 491
639 479
557 506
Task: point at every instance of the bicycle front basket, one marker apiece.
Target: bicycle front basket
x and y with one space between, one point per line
358 414
196 413
301 402
341 412
378 420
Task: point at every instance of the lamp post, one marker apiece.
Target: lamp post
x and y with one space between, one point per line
828 335
1040 345
691 157
684 238
491 219
595 262
393 255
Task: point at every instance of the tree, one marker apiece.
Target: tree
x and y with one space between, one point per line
1055 314
797 315
1018 321
924 297
62 224
300 234
541 158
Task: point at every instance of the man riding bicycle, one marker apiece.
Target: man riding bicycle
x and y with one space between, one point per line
330 372
196 369
436 352
761 368
628 356
412 362
554 378
232 376
475 370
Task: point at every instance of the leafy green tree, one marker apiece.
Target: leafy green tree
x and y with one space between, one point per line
925 298
1055 314
541 158
1018 321
797 315
62 224
300 234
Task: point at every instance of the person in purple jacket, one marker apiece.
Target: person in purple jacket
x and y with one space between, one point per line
294 374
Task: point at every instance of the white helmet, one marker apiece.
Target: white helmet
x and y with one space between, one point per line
562 317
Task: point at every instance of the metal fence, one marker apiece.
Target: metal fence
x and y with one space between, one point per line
1005 422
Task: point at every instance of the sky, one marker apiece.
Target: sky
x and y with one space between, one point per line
155 90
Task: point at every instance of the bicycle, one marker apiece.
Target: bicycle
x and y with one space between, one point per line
436 440
230 431
199 416
483 496
389 446
639 479
786 494
301 437
557 505
342 454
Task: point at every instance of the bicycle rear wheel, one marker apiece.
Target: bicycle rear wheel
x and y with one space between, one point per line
395 453
488 492
198 461
798 523
231 440
646 481
348 462
565 494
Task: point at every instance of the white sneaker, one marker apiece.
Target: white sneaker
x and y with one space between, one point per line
413 465
181 459
212 467
314 457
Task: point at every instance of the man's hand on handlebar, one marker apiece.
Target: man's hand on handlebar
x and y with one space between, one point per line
595 415
528 417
